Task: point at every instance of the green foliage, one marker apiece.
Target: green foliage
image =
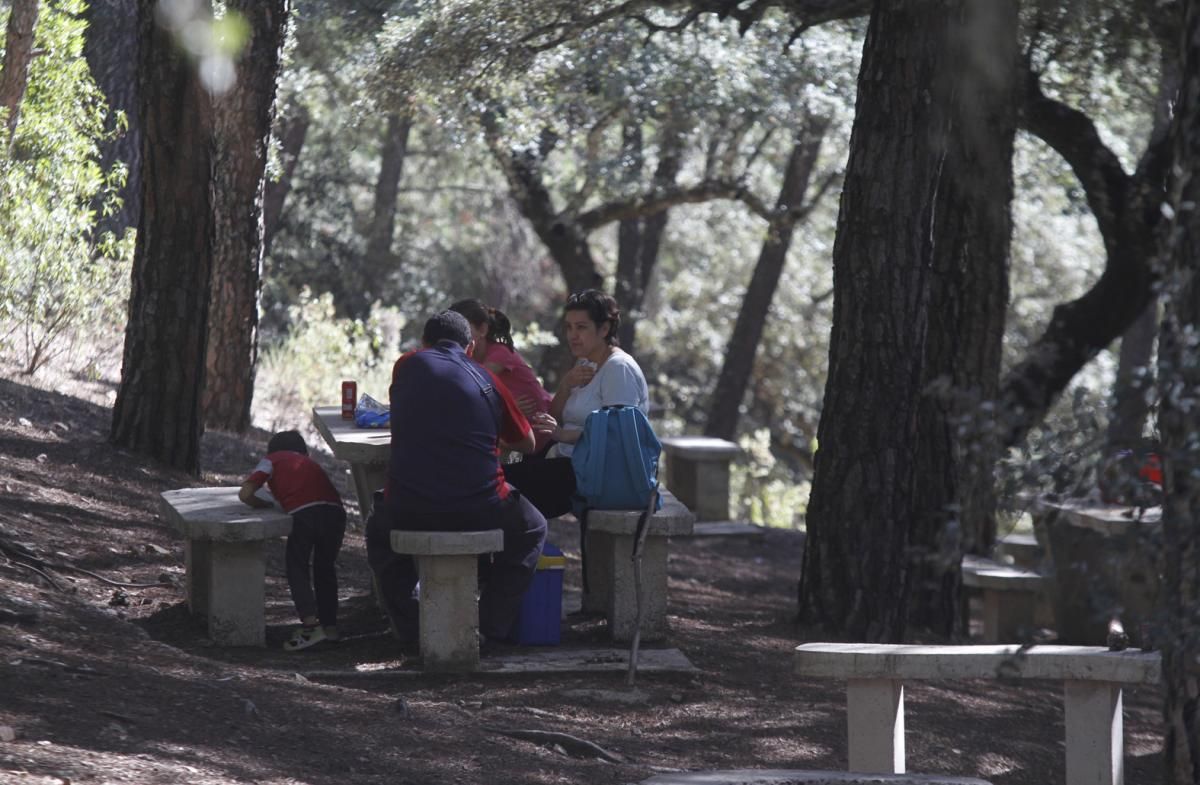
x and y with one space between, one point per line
763 490
305 367
59 284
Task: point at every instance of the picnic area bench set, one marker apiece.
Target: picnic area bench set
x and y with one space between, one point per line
225 542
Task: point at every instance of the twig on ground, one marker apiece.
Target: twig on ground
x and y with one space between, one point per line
573 745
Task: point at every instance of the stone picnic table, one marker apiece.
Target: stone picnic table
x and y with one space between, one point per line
365 449
226 572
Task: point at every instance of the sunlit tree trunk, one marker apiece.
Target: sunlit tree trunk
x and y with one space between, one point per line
1135 381
158 406
111 49
1179 422
747 332
863 504
243 129
957 444
381 262
18 53
292 131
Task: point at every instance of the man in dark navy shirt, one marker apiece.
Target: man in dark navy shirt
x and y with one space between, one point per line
450 419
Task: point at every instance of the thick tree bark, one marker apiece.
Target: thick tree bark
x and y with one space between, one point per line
747 332
863 501
292 131
158 408
956 439
1134 383
111 49
1179 421
243 132
18 53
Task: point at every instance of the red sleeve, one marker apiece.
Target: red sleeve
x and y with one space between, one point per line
402 358
514 427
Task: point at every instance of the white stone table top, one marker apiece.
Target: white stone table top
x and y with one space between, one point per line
987 574
217 514
349 442
915 662
1104 518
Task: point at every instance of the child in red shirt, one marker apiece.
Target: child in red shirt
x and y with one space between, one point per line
304 491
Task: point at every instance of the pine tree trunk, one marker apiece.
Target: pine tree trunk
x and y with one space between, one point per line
243 129
1179 421
158 407
747 332
957 443
293 129
111 49
863 505
18 53
1135 381
381 262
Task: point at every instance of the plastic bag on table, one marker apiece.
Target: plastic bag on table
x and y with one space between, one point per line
370 413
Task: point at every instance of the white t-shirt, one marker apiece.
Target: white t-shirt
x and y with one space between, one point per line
619 381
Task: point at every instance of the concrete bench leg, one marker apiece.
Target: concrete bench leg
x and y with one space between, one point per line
1095 733
613 588
702 485
449 614
875 719
198 555
1007 615
368 478
236 595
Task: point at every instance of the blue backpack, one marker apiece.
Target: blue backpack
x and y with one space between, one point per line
616 460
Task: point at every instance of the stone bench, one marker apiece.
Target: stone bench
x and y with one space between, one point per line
1011 596
447 564
698 471
610 575
225 568
1022 550
803 777
875 673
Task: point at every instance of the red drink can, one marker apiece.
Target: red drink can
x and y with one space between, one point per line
349 399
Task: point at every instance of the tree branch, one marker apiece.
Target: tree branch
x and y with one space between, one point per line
664 199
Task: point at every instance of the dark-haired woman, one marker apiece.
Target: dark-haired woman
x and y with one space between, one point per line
492 333
603 375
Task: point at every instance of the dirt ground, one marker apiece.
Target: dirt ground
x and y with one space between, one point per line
104 684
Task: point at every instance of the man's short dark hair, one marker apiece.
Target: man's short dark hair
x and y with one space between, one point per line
290 441
447 326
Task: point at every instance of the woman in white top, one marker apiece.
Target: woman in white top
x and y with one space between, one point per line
603 375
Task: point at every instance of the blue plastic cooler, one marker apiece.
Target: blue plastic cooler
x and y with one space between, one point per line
540 620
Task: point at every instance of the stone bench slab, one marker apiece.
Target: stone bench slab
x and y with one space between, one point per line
700 448
987 574
673 520
430 543
801 777
217 514
919 663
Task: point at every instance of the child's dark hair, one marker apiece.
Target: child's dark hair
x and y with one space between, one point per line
499 328
290 441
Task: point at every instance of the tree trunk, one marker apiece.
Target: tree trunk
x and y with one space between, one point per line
158 409
1134 384
381 262
243 133
956 435
756 305
863 504
1179 421
111 49
18 53
293 128
639 239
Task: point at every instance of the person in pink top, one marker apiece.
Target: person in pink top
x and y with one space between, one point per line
492 333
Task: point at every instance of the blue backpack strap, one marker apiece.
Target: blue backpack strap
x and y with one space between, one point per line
595 431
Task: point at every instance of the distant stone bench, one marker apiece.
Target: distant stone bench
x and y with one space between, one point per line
610 576
803 777
875 675
698 471
447 564
1022 549
1010 597
225 567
